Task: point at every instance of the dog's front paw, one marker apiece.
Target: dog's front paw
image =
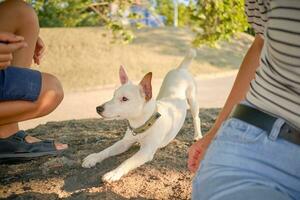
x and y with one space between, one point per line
90 161
113 175
197 137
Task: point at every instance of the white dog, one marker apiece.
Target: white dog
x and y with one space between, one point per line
152 123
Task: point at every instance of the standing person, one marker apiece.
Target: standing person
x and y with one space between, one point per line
24 93
255 153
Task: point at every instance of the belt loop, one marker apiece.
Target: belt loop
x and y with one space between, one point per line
276 129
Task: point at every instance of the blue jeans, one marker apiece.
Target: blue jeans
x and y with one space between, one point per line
244 163
18 83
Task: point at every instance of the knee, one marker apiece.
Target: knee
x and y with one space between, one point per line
51 95
26 14
55 90
20 12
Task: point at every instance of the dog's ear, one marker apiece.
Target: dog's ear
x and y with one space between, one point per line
146 86
123 75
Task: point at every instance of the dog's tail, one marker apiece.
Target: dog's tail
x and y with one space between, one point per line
188 59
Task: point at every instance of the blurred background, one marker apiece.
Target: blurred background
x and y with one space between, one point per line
87 40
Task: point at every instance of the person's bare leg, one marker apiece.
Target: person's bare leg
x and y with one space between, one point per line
19 18
50 97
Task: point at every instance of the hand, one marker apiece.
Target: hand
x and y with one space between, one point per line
197 151
9 43
39 51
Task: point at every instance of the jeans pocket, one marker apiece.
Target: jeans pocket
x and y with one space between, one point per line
235 130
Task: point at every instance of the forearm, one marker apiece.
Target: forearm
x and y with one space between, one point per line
242 82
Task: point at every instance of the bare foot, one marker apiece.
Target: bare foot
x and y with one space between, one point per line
58 146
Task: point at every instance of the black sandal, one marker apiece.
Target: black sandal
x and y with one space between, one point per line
15 147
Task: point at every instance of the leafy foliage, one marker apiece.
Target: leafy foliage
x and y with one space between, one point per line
75 13
218 19
211 20
67 13
112 19
166 8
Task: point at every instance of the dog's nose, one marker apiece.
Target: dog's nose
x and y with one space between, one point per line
100 109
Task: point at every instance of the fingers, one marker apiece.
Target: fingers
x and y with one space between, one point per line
6 57
195 154
39 51
11 47
3 65
5 60
10 42
42 46
6 51
193 165
193 158
37 59
16 46
10 38
194 161
197 151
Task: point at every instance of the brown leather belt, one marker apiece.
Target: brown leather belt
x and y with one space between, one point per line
265 121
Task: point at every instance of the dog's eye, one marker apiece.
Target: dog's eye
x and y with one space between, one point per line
124 99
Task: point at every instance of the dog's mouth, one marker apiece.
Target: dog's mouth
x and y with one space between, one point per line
100 111
109 117
101 114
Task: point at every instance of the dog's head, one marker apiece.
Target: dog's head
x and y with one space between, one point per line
129 99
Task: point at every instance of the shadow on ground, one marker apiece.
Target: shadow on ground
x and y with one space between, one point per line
165 177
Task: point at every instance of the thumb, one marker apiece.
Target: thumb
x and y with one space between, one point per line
9 37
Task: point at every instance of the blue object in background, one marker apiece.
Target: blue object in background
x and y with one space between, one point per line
148 18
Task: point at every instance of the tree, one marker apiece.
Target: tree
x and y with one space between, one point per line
75 13
64 13
211 20
111 13
166 8
217 19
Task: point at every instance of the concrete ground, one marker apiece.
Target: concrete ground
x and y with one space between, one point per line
213 91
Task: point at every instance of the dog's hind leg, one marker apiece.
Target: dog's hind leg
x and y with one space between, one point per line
194 107
117 148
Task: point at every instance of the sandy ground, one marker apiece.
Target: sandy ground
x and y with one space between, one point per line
86 63
212 89
62 177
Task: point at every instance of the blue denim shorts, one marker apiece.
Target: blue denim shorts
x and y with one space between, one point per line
20 84
244 162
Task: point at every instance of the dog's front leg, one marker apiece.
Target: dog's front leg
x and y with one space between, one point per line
144 155
117 148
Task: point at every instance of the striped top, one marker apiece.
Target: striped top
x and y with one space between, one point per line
276 87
